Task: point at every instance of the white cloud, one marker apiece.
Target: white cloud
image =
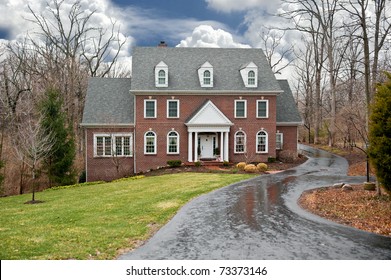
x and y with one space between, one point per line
228 6
207 36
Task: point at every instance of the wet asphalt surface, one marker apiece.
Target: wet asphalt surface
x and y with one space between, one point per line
260 219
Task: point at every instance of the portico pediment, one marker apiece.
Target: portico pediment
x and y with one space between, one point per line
208 115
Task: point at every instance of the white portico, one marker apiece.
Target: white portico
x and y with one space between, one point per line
208 134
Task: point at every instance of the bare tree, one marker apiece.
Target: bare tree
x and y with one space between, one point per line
69 48
373 32
31 144
278 55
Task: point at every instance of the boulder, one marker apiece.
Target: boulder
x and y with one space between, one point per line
347 187
338 185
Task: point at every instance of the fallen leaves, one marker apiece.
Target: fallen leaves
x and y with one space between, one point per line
357 208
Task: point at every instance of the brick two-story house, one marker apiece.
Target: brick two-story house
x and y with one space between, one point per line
188 104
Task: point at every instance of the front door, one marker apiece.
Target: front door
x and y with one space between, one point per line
206 145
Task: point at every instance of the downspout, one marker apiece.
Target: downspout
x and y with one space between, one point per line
134 135
86 152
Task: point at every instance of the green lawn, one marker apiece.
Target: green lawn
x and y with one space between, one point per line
98 221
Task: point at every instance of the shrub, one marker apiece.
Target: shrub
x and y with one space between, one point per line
380 133
271 159
250 168
241 165
174 163
262 167
287 156
226 163
197 164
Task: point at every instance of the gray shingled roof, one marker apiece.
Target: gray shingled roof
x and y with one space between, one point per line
108 102
183 64
287 111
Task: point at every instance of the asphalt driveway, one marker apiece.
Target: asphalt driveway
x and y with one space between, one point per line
260 219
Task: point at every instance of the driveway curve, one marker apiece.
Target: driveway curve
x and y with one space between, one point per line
260 219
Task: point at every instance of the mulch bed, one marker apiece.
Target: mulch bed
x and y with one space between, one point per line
358 208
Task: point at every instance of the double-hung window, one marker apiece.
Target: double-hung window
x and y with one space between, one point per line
251 78
150 143
206 77
262 142
240 108
240 142
172 108
149 108
279 141
262 109
123 145
173 142
162 77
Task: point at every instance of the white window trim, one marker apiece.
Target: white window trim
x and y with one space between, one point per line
266 143
158 68
267 109
245 142
201 72
113 144
168 143
245 109
145 108
154 143
244 73
282 140
168 108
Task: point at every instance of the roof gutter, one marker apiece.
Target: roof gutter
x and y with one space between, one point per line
206 92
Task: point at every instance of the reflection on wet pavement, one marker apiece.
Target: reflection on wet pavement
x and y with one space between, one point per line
260 219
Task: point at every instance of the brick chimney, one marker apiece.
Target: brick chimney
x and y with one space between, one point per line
162 44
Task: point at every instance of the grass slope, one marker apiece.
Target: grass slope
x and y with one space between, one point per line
98 221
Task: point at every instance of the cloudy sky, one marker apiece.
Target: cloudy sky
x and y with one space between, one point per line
185 23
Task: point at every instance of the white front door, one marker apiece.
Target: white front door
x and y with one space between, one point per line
206 145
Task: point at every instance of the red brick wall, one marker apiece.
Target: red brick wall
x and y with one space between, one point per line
188 105
289 136
103 168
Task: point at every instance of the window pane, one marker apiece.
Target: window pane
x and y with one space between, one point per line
239 142
262 109
162 77
240 109
118 146
126 145
206 77
107 146
172 109
99 146
150 109
251 78
173 142
261 141
150 143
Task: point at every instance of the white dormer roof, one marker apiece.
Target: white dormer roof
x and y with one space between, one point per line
252 80
208 116
161 74
205 75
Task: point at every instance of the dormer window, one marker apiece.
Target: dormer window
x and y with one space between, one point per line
161 75
205 75
251 78
249 75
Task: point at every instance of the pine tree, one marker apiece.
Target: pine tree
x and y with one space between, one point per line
59 165
380 133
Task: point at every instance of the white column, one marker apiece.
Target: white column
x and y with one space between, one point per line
226 147
221 146
196 147
190 147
